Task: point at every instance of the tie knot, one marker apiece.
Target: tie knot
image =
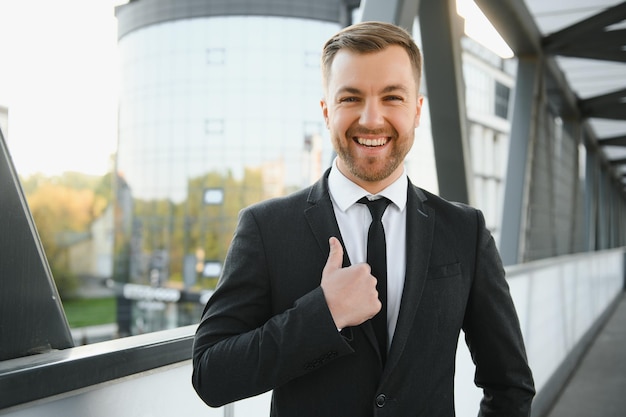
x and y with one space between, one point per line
377 207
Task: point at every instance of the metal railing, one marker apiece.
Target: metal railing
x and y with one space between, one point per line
561 303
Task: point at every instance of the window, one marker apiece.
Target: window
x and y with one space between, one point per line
502 100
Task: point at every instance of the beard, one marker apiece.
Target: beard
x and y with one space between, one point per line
373 168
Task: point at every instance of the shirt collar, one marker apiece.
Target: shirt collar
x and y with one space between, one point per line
345 193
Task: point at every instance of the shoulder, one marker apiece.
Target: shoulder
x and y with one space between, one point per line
451 212
288 202
276 211
297 201
440 203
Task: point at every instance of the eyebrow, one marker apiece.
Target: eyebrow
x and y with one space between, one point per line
395 87
386 90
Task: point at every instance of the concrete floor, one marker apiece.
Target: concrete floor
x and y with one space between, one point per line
598 386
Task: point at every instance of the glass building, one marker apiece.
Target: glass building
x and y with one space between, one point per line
218 109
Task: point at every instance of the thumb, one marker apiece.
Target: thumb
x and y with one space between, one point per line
335 256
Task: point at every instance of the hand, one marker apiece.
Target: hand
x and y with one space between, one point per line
350 292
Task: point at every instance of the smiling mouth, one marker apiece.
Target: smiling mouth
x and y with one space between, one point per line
372 143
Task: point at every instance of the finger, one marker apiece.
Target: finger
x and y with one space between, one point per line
335 256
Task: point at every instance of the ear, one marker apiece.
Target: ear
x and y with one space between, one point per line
324 106
418 110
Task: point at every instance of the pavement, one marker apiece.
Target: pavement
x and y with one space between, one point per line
598 385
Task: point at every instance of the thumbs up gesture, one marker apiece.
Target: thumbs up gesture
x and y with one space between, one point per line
350 292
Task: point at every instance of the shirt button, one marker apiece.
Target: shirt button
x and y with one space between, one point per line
380 400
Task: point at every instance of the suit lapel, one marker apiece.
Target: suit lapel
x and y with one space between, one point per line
420 221
321 218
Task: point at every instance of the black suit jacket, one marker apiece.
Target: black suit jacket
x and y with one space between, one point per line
267 326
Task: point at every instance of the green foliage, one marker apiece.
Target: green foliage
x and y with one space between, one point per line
65 280
193 227
64 207
82 312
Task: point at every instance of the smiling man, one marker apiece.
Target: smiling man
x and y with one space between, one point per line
372 111
348 298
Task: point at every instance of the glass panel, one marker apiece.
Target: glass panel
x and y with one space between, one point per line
208 106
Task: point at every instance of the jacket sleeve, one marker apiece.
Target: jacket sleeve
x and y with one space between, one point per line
242 347
494 338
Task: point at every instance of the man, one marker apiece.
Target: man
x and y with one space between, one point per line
296 307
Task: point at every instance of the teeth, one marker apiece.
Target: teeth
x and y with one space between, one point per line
372 142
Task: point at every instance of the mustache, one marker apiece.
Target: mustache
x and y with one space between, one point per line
362 131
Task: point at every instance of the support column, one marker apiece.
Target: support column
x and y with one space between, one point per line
602 219
571 127
442 29
516 189
591 200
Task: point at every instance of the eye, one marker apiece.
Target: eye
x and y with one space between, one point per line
350 99
393 98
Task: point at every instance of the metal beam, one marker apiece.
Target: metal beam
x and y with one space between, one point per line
614 141
606 46
528 83
606 106
32 319
515 24
590 39
442 29
399 12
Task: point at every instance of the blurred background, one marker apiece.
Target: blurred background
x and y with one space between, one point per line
139 137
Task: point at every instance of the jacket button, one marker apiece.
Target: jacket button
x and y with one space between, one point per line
380 400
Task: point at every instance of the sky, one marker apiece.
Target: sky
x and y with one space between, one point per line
59 80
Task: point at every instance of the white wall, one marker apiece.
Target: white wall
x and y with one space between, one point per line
164 392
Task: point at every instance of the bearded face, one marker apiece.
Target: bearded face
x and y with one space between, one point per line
372 108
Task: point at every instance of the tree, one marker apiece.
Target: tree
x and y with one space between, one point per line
61 207
188 227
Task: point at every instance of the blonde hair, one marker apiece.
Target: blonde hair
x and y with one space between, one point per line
368 37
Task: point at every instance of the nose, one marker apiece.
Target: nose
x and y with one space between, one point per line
372 115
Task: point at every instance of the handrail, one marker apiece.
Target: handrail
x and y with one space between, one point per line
59 372
56 372
523 268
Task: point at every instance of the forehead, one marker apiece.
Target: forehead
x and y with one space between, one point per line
390 66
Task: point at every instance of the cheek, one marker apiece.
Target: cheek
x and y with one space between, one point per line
339 121
406 122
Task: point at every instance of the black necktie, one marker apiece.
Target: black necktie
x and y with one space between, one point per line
377 259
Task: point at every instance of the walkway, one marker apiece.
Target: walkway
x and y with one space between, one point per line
598 386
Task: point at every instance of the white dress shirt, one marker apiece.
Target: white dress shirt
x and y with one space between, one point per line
354 220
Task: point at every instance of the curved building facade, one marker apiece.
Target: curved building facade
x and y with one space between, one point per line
218 108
